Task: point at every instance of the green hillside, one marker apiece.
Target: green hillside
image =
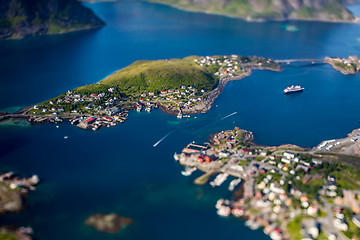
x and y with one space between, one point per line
322 10
151 76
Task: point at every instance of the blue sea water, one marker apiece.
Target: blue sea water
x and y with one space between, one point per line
118 169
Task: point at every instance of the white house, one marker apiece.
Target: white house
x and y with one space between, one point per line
289 155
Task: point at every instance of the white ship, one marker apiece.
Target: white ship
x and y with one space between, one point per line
293 89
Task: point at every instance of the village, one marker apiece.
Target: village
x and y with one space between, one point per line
109 108
347 66
292 194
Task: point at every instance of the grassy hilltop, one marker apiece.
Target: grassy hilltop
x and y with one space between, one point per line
171 84
152 76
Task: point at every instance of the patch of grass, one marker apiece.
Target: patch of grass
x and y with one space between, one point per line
151 76
7 236
294 228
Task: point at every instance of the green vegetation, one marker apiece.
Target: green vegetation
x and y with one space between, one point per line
259 158
306 12
266 9
353 232
15 21
203 179
322 236
311 188
294 228
152 76
346 67
7 236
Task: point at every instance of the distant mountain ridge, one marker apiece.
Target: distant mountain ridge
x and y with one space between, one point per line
21 18
262 10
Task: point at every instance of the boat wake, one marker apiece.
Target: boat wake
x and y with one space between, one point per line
231 114
157 143
228 116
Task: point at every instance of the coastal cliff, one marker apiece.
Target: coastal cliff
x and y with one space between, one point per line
21 18
262 10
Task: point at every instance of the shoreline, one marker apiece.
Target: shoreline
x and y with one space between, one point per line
260 20
260 201
204 105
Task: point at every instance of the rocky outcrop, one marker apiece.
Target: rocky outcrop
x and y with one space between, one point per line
11 232
110 223
260 10
21 18
10 200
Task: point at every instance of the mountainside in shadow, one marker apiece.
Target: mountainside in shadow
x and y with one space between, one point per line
21 18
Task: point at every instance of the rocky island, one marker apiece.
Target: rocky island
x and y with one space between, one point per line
14 233
348 66
21 18
109 223
293 193
254 10
13 190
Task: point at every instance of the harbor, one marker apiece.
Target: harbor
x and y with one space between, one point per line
269 185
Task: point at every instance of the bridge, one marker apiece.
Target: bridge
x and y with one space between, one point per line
288 61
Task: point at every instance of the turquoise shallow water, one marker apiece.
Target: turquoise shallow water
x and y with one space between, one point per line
118 169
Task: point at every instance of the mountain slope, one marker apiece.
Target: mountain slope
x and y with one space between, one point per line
321 10
145 76
21 18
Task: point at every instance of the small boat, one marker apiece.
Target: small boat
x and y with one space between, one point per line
179 116
66 137
139 108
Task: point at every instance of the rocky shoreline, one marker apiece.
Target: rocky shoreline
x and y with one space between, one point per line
210 97
282 186
287 17
109 223
349 66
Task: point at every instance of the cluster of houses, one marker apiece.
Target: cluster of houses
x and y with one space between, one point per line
96 122
233 65
71 99
271 199
229 65
106 109
186 97
350 65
